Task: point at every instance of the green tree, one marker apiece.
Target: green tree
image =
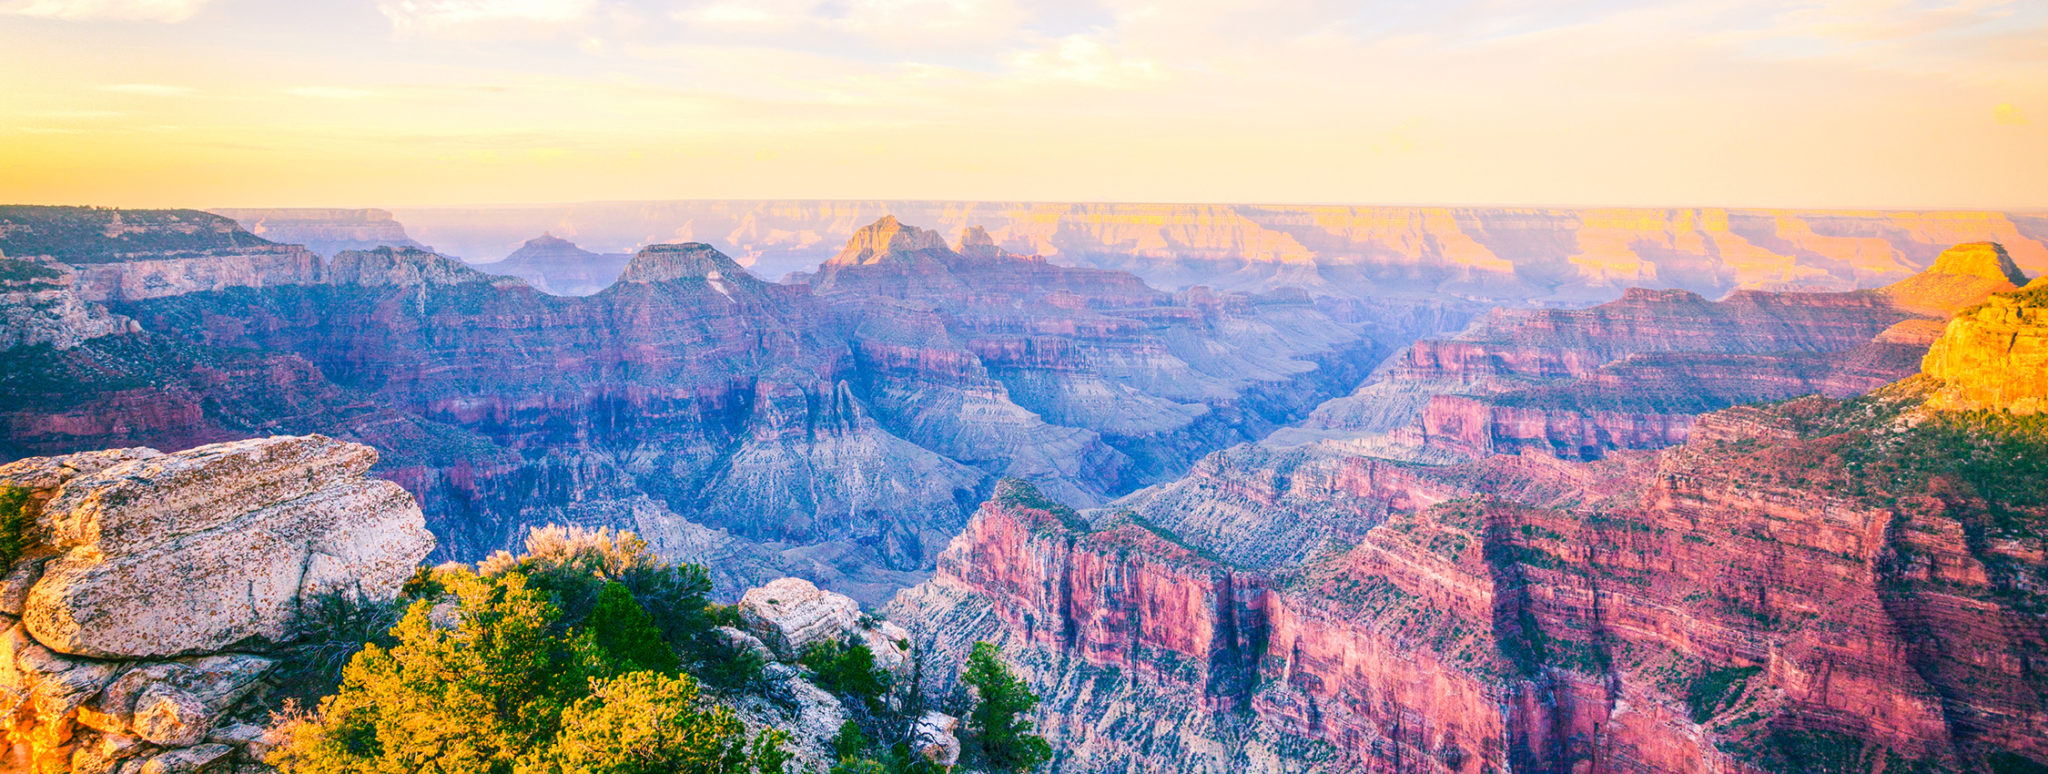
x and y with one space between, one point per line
623 631
847 669
997 720
499 687
650 723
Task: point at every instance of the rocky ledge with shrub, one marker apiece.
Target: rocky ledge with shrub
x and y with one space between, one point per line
145 594
259 606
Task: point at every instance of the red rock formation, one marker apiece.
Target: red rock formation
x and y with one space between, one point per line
1816 585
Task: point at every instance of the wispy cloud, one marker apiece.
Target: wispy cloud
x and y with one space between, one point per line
328 92
77 115
482 17
2007 115
109 10
149 89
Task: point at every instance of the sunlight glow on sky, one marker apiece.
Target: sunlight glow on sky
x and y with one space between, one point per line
1809 103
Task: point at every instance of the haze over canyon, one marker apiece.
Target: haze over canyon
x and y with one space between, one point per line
1234 487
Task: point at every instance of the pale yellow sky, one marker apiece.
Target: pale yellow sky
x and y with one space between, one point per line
1824 103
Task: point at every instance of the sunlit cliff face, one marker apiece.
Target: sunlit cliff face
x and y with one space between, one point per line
1817 103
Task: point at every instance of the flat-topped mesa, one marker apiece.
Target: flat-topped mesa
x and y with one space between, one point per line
887 238
326 231
128 255
1963 276
406 267
684 261
1994 355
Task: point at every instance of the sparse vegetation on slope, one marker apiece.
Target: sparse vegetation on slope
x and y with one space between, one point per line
567 659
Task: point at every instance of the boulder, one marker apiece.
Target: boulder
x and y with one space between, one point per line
185 553
97 753
190 760
936 737
42 689
814 712
741 642
790 615
171 717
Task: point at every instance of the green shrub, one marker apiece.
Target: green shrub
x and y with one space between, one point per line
847 669
997 721
1714 688
17 524
331 628
508 690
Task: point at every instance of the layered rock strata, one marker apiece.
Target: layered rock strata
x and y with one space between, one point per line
137 614
840 430
39 305
1633 373
1812 585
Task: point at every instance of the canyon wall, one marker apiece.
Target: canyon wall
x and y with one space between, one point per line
1500 254
840 430
1631 373
1814 585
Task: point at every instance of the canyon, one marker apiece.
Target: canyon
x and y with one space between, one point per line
840 430
1764 498
1819 584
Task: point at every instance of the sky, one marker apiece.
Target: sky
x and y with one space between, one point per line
1799 103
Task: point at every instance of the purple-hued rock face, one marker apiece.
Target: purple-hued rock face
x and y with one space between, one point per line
840 429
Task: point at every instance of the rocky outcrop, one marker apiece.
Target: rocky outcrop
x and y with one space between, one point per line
38 305
1961 276
127 255
1995 355
791 616
135 617
172 554
405 267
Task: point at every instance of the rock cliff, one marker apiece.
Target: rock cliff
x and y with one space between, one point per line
1814 585
1995 354
139 612
38 305
1631 374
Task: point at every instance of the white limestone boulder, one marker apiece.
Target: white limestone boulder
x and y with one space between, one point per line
790 615
174 554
